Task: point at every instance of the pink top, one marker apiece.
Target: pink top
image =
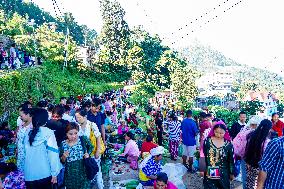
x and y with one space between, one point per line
169 186
240 142
131 149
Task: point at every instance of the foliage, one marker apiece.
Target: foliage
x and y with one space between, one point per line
114 37
183 104
142 93
49 80
229 116
183 82
30 11
144 58
280 108
251 107
110 51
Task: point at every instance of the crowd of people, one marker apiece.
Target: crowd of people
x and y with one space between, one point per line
15 58
56 143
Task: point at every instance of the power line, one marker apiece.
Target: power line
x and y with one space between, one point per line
203 17
58 7
54 7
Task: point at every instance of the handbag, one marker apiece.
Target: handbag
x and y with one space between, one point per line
94 142
90 164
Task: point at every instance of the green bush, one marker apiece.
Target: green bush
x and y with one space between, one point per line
142 93
223 113
35 83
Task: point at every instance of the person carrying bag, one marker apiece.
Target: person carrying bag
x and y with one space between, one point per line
91 165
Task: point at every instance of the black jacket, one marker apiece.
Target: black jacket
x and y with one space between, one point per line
58 126
235 129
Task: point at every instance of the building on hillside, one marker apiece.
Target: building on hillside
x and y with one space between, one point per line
219 82
269 101
82 55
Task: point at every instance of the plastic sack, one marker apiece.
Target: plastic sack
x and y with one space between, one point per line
175 172
140 186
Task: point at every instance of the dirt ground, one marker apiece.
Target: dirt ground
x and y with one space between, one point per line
191 181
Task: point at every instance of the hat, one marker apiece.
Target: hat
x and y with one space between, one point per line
254 120
157 151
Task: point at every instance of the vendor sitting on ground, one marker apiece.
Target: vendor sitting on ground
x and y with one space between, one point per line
6 136
163 183
122 129
147 146
131 151
151 166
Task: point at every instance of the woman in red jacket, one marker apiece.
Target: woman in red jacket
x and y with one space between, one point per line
147 145
277 125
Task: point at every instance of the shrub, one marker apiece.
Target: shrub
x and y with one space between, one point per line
35 83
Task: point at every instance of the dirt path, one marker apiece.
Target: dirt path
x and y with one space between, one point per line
191 181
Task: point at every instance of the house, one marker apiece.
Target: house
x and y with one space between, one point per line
219 82
82 55
269 101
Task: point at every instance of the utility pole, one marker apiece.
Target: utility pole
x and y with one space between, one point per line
66 43
66 48
32 23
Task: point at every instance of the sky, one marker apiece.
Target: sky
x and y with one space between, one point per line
251 32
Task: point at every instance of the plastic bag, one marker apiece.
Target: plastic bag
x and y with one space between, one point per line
175 173
140 186
196 164
180 150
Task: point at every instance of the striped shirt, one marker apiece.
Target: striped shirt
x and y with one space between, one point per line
174 129
273 164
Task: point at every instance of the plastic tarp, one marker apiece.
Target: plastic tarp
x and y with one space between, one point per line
175 172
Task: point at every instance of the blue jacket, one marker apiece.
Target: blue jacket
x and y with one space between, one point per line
42 157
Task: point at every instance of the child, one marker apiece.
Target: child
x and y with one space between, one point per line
72 154
163 183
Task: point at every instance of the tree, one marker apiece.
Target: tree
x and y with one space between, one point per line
16 25
89 35
145 58
251 107
29 10
183 82
114 38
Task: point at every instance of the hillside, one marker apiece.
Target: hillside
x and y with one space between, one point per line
204 59
26 8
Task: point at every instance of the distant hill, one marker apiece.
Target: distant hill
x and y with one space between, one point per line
206 59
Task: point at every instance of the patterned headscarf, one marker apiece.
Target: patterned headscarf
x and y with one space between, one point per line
154 152
226 136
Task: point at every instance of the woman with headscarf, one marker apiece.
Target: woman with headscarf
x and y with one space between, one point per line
151 166
209 133
218 159
240 142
